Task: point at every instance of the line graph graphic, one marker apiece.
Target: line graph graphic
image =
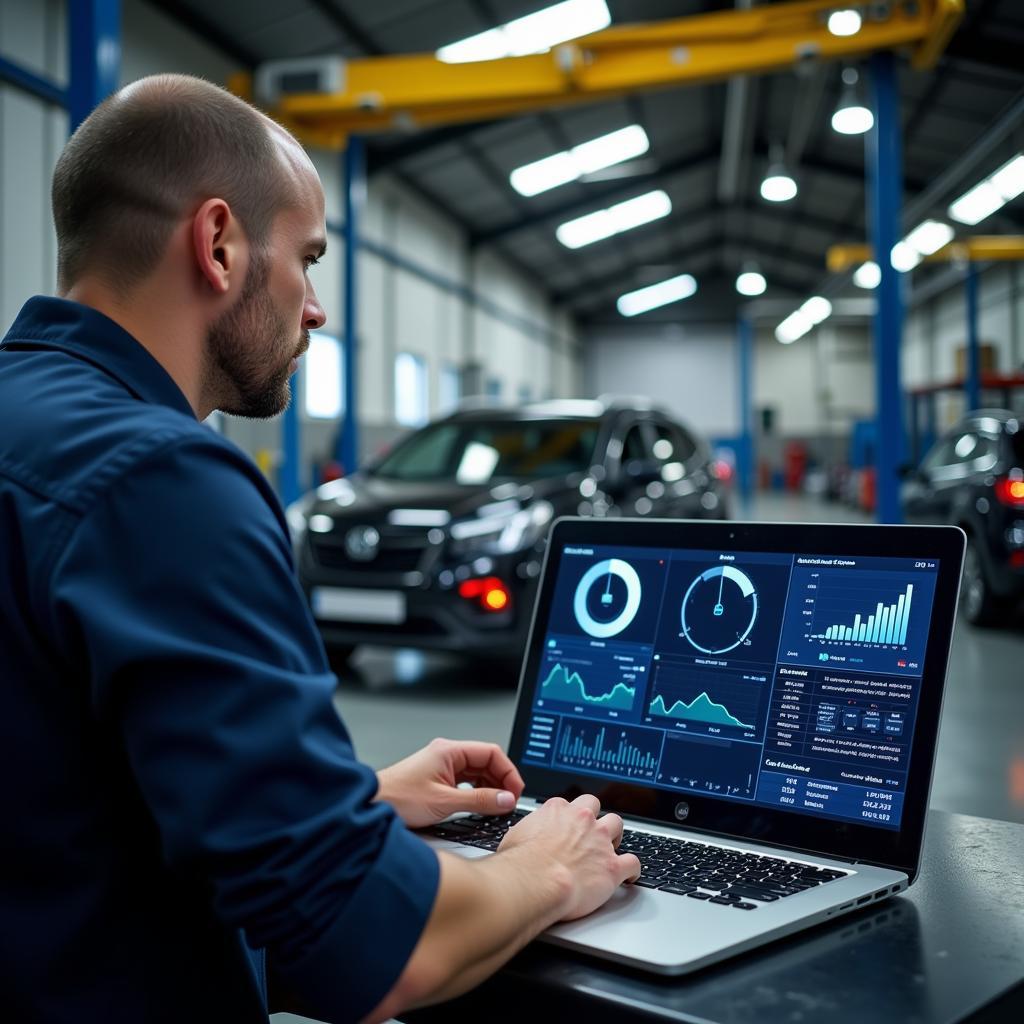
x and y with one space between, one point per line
701 709
569 687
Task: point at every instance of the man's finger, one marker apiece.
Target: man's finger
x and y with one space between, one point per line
629 867
588 800
612 824
489 761
482 801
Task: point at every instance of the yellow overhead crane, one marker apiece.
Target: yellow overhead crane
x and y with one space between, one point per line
408 92
979 249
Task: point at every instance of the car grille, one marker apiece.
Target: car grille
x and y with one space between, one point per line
399 551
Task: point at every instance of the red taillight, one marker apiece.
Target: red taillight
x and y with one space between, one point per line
1017 559
722 470
1010 492
489 591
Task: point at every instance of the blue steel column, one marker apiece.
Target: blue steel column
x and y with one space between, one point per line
885 195
972 383
746 453
288 477
94 36
355 195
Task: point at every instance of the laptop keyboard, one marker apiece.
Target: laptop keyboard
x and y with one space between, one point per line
681 867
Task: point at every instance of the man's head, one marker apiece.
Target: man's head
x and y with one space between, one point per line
174 178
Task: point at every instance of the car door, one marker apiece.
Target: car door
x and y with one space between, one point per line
631 467
681 491
947 472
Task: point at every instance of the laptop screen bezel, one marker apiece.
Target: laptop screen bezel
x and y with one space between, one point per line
898 849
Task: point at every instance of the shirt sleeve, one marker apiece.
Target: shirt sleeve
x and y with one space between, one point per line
176 599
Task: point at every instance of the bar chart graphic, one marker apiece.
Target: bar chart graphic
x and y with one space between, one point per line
609 749
887 624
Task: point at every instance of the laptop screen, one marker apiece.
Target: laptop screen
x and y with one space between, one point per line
790 681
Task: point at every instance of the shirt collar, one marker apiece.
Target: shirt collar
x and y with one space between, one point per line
86 333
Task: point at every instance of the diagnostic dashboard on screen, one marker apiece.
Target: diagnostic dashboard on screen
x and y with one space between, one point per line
787 680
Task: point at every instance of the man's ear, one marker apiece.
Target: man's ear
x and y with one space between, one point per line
219 245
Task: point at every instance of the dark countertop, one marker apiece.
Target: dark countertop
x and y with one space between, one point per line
954 944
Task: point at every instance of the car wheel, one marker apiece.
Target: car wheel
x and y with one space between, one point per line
981 607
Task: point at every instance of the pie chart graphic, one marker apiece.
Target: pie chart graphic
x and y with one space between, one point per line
719 609
607 598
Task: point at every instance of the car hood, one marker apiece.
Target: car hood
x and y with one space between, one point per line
371 499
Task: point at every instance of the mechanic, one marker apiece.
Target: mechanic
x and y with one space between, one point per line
183 809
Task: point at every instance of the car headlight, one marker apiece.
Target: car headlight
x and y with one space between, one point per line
297 514
502 530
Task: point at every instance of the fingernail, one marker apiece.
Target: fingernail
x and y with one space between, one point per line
506 801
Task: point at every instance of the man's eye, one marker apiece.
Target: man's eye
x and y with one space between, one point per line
311 261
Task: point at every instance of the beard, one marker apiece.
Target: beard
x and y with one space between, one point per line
249 352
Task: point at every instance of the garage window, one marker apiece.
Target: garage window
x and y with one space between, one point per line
412 395
324 378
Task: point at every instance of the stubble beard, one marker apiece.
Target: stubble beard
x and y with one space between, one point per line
242 348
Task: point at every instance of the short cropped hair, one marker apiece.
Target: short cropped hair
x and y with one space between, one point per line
147 155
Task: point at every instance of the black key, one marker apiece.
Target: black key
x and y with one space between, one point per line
754 894
745 906
699 895
678 890
721 901
646 882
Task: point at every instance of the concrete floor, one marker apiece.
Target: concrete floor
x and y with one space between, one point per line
394 702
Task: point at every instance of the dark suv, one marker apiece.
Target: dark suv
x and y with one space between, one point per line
439 543
974 478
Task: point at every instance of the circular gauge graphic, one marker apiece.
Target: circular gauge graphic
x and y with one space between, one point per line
607 598
719 609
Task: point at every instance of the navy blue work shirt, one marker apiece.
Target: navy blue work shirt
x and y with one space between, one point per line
177 792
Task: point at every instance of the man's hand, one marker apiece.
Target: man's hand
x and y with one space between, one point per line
572 836
423 787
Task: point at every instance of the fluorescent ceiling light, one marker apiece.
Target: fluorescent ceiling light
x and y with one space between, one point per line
654 295
974 206
905 257
533 33
844 23
751 282
621 217
867 275
929 237
796 325
816 309
989 195
560 168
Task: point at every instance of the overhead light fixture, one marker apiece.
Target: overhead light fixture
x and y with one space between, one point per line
905 257
990 194
533 33
868 275
571 164
750 280
816 309
851 116
615 219
929 236
778 185
845 23
674 289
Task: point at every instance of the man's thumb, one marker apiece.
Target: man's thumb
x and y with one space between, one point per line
486 801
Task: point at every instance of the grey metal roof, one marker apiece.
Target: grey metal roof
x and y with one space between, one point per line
464 169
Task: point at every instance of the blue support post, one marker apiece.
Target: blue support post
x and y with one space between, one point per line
94 35
885 196
746 453
972 382
355 195
288 477
31 83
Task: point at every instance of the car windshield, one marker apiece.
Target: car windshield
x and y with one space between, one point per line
477 453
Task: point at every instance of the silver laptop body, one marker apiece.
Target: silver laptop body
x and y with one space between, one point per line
633 617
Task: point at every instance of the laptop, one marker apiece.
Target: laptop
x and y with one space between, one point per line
760 702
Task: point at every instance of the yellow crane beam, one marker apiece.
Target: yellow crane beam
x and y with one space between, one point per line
979 249
417 91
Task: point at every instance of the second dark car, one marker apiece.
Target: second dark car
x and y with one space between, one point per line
439 543
973 478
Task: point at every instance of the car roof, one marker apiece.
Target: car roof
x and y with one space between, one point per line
484 409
